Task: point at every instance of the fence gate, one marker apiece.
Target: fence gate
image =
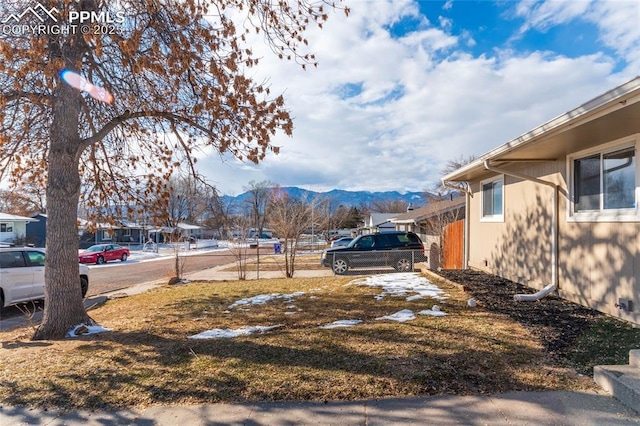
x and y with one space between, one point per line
453 242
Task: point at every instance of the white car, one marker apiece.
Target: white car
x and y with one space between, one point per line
22 275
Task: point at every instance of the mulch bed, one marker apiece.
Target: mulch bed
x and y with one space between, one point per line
555 321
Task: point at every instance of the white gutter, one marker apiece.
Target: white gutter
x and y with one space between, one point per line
554 233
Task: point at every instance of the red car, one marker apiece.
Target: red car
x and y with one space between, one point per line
102 253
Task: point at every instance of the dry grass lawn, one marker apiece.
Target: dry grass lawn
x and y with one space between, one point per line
148 359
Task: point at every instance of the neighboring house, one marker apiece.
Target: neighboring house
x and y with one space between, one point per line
379 222
13 228
181 232
122 232
436 224
37 230
188 231
557 207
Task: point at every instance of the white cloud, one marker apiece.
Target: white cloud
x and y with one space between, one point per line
385 113
545 14
619 23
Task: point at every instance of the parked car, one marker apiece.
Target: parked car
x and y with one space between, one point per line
103 253
397 249
22 275
341 242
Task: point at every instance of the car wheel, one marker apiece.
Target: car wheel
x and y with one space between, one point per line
100 260
340 266
84 286
124 257
403 265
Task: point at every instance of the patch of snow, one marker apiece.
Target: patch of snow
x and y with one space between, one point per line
401 284
400 316
433 313
342 323
227 333
261 299
84 329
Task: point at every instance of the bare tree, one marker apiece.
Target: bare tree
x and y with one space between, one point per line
258 203
186 200
289 218
445 212
219 215
438 190
239 246
388 206
115 109
330 218
18 201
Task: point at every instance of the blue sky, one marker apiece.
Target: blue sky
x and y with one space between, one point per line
403 86
498 25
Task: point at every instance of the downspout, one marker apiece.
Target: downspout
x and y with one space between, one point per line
554 233
467 209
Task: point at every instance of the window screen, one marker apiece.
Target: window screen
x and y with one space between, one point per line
605 181
619 179
492 198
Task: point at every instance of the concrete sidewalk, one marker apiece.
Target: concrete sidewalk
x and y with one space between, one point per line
519 408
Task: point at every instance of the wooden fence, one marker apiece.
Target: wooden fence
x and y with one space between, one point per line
453 245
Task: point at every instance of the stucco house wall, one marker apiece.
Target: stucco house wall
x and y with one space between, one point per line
598 254
598 262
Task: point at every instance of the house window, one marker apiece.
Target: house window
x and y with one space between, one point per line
493 199
604 183
6 227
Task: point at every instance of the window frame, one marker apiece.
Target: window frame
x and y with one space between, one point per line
626 214
493 217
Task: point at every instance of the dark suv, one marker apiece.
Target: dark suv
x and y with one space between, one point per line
397 249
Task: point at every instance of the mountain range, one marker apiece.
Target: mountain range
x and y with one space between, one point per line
341 197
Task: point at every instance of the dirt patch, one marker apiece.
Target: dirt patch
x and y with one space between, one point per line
556 322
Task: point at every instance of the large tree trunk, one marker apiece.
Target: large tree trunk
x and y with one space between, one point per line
63 308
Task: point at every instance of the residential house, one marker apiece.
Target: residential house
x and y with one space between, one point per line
121 232
557 207
181 232
379 222
13 228
37 230
439 224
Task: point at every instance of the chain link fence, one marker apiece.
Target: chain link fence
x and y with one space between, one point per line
369 262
